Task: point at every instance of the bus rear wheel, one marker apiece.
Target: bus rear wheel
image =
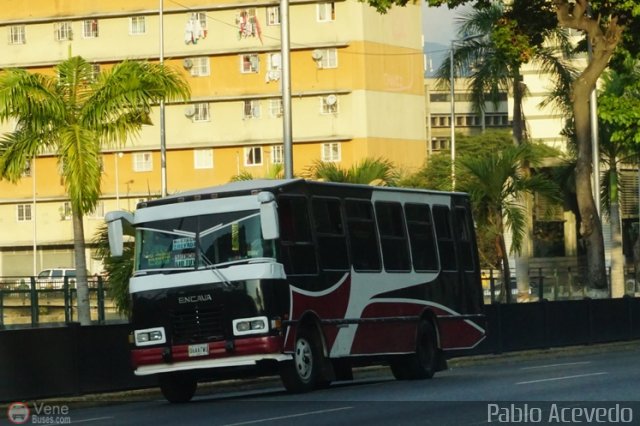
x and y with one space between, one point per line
423 363
302 374
178 388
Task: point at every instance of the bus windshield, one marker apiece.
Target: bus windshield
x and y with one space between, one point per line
201 241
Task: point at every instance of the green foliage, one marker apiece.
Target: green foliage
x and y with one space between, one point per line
496 183
118 270
370 171
275 171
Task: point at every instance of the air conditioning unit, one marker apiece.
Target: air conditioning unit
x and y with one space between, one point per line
187 63
317 55
331 100
189 111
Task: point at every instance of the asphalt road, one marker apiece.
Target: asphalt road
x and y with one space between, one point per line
558 386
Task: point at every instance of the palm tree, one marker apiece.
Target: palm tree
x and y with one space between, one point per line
510 41
496 185
370 171
76 114
275 171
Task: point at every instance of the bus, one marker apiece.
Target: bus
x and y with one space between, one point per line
310 278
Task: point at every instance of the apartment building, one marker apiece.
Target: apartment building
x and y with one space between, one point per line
357 91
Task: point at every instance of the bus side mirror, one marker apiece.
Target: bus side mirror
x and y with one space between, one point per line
268 216
115 230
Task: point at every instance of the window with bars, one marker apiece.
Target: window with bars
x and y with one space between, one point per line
331 151
200 66
329 58
277 154
137 25
273 15
253 156
62 31
17 34
90 28
203 158
95 71
275 107
201 112
23 212
97 212
326 12
142 162
251 109
329 104
249 64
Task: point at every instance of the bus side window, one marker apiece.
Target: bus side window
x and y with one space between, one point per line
423 243
298 252
446 245
332 242
393 237
464 238
362 236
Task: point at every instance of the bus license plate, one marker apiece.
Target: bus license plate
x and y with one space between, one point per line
198 350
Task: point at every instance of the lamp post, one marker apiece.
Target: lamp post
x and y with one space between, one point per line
285 53
163 141
452 123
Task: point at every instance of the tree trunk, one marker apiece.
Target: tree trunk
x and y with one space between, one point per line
523 256
84 311
617 258
590 227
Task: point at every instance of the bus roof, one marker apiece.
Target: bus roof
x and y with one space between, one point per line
249 186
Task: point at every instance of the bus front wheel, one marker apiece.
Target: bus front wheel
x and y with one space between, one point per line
423 363
178 388
302 374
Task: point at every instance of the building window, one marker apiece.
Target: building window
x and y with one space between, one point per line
251 109
200 66
201 112
439 144
90 28
326 12
277 154
62 31
273 15
95 71
97 212
329 104
142 162
137 25
17 34
23 212
203 158
274 67
331 151
328 58
248 25
253 156
26 172
195 28
249 64
275 108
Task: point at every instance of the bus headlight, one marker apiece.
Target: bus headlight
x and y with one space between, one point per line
256 325
150 336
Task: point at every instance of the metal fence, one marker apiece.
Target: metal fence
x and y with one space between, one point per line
550 284
35 301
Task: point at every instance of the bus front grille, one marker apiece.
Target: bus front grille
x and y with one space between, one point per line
197 325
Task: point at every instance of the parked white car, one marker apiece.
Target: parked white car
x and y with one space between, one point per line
54 277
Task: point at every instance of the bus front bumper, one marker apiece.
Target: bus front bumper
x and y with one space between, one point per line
242 352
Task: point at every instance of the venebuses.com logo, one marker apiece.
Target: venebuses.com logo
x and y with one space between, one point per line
41 413
18 413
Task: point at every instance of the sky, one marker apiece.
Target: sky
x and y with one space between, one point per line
438 25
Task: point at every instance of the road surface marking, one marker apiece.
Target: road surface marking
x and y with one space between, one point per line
562 378
95 419
308 413
555 365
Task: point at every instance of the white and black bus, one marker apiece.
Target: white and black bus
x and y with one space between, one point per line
313 277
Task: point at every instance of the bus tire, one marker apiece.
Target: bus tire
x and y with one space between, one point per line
178 388
423 363
302 373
